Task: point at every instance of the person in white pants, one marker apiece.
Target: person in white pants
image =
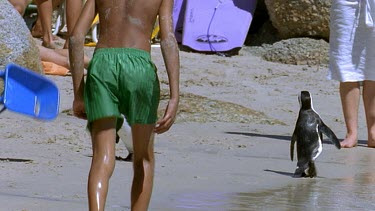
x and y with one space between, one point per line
352 63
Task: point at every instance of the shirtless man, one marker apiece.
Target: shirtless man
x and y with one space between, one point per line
122 79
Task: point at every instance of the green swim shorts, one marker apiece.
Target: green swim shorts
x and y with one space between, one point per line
122 81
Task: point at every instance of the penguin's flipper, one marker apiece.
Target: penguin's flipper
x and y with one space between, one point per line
330 134
293 141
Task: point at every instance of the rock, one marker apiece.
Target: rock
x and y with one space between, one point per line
16 43
302 18
298 51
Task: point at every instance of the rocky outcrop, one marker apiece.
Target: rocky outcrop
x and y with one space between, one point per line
16 43
292 32
298 51
302 18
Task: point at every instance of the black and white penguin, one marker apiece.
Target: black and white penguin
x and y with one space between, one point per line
125 135
308 136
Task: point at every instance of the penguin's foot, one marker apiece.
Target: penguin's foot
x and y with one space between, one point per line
311 171
129 158
300 172
349 142
299 175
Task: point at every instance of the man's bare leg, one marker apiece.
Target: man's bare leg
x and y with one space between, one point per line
73 11
19 5
103 135
144 164
37 29
45 12
369 103
350 95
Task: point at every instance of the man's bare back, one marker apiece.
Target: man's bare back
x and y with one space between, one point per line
127 23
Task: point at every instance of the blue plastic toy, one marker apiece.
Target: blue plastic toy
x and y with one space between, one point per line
29 93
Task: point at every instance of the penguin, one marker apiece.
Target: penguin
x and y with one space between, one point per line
125 135
308 135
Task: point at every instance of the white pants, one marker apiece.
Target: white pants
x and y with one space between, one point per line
352 40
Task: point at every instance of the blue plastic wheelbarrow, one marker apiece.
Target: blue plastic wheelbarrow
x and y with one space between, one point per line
29 93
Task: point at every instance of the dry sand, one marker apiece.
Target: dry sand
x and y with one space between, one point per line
229 149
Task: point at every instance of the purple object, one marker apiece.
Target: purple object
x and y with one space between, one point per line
217 25
179 7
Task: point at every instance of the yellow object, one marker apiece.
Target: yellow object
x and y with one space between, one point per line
51 68
155 31
90 44
95 21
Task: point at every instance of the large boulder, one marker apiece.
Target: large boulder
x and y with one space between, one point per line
300 18
16 43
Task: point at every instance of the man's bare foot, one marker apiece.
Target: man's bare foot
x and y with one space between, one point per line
48 45
349 142
371 144
36 30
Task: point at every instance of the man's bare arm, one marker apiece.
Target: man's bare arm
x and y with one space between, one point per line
76 55
170 54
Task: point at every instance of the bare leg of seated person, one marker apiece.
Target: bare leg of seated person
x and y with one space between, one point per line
58 56
50 55
19 5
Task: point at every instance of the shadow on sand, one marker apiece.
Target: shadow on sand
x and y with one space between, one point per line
361 143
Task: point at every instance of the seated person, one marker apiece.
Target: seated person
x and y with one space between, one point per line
59 57
56 61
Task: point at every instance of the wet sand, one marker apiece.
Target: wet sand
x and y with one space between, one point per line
229 149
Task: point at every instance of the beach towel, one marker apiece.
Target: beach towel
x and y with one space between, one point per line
51 68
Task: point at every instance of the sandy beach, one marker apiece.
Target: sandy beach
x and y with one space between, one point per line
228 150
